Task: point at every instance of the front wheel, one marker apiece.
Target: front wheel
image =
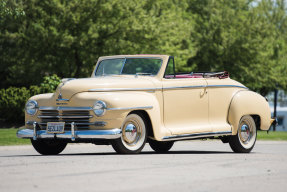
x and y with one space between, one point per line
48 147
133 137
244 140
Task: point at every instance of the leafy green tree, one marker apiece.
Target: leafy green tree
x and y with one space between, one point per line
11 16
50 83
274 13
236 36
67 36
13 99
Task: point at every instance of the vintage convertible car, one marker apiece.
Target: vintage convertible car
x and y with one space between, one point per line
133 99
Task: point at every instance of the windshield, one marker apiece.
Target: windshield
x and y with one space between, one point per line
129 66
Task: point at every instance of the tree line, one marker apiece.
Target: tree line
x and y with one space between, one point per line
248 38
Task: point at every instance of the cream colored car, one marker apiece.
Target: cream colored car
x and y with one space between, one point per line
133 99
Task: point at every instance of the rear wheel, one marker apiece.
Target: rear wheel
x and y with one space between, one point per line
134 135
48 147
244 140
161 146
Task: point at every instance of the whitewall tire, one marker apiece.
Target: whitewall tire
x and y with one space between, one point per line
134 135
244 140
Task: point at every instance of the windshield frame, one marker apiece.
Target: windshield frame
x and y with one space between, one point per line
125 58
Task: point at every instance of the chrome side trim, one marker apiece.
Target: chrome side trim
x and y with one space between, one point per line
64 117
130 108
83 109
43 108
165 88
123 89
195 135
84 134
185 87
205 86
237 86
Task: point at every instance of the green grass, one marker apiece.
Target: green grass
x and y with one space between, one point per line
8 137
273 136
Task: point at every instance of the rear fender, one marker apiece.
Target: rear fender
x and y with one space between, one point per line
246 102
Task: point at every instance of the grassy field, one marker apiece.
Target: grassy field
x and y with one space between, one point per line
8 137
273 136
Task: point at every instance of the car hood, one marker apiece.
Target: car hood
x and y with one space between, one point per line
69 87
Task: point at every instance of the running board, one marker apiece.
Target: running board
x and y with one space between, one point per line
196 135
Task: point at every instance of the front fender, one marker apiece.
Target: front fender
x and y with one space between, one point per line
246 102
120 104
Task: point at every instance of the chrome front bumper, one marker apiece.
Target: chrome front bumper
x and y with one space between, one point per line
81 134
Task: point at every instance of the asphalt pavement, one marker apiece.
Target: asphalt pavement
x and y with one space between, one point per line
189 166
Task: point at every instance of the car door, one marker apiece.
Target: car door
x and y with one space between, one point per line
220 93
185 103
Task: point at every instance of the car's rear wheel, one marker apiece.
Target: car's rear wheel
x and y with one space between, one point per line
48 147
134 135
244 140
161 146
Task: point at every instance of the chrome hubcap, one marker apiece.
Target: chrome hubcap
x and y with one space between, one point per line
130 133
245 133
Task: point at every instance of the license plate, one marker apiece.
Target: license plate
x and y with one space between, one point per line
55 127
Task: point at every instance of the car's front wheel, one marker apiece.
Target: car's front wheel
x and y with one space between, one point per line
244 140
134 135
48 147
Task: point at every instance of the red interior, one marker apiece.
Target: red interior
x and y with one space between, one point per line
220 75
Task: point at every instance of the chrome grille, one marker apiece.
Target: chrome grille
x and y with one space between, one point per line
81 117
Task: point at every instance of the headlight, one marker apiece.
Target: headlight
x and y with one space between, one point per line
31 107
100 108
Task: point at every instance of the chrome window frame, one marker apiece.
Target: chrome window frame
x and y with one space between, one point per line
174 73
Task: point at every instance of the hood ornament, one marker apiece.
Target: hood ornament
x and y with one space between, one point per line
64 81
60 96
